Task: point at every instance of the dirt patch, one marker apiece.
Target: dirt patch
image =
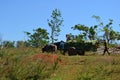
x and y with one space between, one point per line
47 58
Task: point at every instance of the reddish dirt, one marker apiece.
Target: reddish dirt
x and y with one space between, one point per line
47 58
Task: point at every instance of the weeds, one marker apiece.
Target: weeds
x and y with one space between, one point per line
99 69
17 65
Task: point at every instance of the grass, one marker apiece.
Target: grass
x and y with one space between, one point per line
89 68
16 64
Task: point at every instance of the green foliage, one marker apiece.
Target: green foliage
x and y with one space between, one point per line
17 64
92 32
99 70
89 67
54 23
87 46
118 34
38 38
96 17
26 71
109 34
69 37
86 32
8 44
107 30
83 30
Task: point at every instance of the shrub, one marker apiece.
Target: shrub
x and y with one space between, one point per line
20 66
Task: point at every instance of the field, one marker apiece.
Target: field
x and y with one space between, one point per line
31 64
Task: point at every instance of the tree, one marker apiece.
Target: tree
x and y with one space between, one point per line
118 35
8 44
107 30
108 33
83 30
69 37
38 38
54 23
86 32
92 32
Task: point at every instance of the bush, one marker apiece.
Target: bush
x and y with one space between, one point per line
19 66
81 45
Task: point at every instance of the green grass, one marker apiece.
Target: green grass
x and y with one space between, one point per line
15 64
89 68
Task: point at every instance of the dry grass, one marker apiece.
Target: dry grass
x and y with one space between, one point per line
23 63
94 67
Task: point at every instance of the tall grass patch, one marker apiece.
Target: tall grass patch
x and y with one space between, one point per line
17 64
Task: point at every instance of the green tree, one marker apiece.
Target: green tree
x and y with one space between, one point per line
86 32
54 23
107 30
8 44
118 35
83 30
70 37
38 38
93 32
108 33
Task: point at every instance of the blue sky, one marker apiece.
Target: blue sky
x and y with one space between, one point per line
17 16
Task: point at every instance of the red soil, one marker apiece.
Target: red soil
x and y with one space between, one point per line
47 58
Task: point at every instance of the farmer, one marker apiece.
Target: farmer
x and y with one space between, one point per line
105 48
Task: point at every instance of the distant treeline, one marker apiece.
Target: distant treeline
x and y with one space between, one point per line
39 37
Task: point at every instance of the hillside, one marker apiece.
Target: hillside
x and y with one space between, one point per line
31 64
88 68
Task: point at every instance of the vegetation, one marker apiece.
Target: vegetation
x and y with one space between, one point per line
17 61
55 24
107 31
19 64
88 68
8 44
38 38
86 32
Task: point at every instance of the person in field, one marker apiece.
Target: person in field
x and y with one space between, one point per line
105 48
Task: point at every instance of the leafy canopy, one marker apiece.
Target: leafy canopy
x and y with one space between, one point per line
54 23
38 38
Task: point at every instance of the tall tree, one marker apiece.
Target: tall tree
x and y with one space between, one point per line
38 38
106 29
93 32
54 23
83 30
86 32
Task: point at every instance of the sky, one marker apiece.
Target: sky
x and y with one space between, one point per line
17 16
